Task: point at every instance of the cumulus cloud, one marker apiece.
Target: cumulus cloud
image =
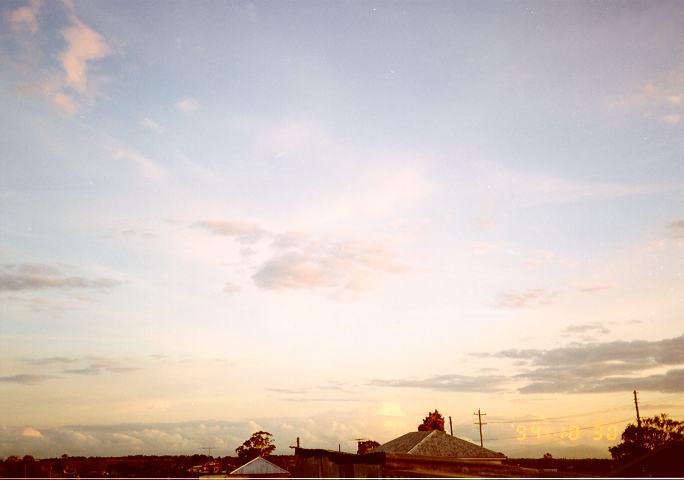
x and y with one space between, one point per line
171 438
31 433
26 379
38 277
524 299
293 260
345 266
187 105
26 16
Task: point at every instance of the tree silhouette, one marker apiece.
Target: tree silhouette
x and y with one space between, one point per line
654 432
259 445
434 421
366 446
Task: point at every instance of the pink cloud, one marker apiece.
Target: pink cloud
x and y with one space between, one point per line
83 45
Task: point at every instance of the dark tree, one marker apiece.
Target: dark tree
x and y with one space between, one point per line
434 421
366 446
259 445
654 432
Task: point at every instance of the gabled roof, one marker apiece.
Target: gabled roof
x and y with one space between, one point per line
259 466
436 443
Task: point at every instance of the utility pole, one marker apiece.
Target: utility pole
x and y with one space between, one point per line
636 404
208 449
451 427
292 446
479 422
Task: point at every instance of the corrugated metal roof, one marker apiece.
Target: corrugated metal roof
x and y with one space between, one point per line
259 466
436 443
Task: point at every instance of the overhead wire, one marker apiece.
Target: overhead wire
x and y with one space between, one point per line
564 417
561 431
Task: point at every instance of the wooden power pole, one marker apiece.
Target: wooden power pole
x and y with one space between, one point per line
479 422
636 404
451 426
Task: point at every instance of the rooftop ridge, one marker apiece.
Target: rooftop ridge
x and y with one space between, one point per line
421 441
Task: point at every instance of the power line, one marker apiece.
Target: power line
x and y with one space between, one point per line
564 417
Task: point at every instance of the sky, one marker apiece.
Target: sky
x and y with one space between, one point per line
325 219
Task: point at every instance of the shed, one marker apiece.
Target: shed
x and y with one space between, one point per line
259 468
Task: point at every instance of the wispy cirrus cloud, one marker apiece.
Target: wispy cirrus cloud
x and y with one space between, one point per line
150 169
26 379
586 328
450 383
51 360
592 288
151 125
524 299
242 231
21 277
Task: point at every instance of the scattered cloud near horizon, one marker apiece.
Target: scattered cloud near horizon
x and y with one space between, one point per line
676 229
580 368
18 277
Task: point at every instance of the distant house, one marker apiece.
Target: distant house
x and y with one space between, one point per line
424 454
259 468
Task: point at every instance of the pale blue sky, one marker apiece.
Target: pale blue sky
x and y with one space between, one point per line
286 214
